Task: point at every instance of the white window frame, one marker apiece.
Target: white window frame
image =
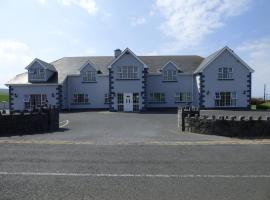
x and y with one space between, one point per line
157 97
170 75
229 99
80 98
37 74
28 101
128 72
89 76
183 97
225 73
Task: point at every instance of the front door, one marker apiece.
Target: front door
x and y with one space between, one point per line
128 102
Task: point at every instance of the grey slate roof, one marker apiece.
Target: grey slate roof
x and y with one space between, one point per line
22 79
71 65
208 59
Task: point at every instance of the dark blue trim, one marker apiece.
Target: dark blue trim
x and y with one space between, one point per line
202 91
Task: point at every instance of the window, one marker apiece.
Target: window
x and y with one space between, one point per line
225 99
169 75
157 97
120 102
183 97
89 76
107 98
35 101
225 73
80 99
37 74
136 100
127 72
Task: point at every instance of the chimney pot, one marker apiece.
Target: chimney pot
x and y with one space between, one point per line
117 52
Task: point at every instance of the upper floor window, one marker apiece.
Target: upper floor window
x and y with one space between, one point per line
128 72
80 99
89 76
183 97
225 73
169 75
37 74
157 97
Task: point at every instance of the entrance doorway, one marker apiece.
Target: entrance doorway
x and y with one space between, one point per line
128 102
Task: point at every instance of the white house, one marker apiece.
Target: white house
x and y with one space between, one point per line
127 82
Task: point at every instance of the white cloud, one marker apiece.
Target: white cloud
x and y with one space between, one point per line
188 22
138 21
89 5
14 56
43 2
257 56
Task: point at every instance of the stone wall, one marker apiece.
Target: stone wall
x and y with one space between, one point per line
229 126
29 123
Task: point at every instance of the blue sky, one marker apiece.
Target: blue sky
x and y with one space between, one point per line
51 29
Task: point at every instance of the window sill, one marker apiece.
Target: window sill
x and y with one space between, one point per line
163 102
169 81
130 79
89 81
80 103
227 79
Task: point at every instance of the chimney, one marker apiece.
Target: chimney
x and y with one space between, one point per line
117 52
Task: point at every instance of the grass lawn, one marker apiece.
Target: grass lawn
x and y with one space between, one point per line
263 106
4 97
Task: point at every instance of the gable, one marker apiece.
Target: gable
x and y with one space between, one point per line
87 67
170 66
35 65
210 59
125 57
226 59
43 64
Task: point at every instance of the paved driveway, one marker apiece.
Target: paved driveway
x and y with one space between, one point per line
118 128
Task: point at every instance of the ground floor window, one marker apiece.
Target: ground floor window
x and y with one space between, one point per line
35 101
136 102
183 97
225 99
157 97
80 99
120 102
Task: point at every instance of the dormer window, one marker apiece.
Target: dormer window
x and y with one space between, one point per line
89 76
169 75
37 74
225 73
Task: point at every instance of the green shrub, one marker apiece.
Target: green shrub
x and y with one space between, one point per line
256 101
